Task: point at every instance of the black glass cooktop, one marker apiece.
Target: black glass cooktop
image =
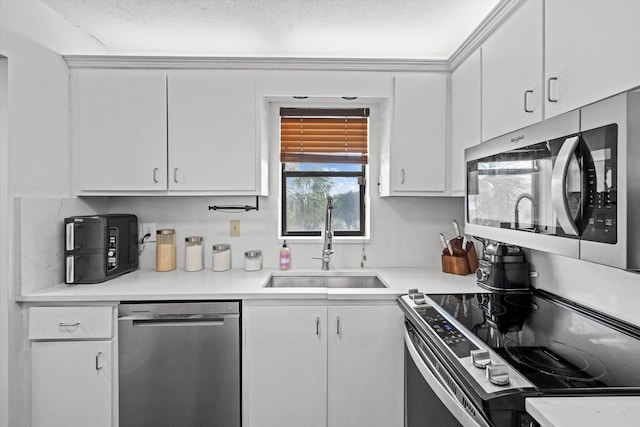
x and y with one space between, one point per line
555 345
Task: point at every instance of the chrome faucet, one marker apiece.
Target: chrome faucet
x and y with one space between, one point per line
328 236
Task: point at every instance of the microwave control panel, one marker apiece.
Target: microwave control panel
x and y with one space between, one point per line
600 165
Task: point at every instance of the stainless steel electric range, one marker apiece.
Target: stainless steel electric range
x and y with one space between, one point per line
472 359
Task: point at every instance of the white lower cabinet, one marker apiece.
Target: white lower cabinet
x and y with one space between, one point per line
323 365
71 366
71 384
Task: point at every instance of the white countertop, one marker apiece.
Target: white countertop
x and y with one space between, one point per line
149 285
618 411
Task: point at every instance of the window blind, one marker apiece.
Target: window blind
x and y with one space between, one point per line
324 135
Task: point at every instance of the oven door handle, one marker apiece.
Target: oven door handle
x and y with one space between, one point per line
437 384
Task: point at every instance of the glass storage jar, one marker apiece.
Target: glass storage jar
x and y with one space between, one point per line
221 258
193 253
166 249
253 260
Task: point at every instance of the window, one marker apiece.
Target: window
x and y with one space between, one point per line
323 152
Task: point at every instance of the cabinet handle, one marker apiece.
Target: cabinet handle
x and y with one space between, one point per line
175 175
98 367
68 325
549 82
526 101
402 179
155 175
317 325
338 325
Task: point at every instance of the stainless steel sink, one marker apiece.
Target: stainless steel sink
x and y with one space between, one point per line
324 282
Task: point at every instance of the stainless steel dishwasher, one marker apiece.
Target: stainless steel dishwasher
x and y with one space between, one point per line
179 364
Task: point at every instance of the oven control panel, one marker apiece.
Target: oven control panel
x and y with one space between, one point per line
486 367
452 337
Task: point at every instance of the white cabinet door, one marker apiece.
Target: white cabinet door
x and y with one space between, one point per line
465 117
212 131
121 130
591 51
71 383
418 143
512 84
285 366
366 366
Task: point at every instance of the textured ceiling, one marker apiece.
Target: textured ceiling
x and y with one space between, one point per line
389 29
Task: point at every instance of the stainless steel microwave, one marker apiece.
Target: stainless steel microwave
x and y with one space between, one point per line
569 185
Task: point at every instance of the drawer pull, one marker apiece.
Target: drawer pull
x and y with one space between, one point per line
68 325
98 367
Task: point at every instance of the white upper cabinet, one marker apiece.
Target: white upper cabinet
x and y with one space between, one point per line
414 163
512 83
176 132
212 131
591 51
465 116
120 126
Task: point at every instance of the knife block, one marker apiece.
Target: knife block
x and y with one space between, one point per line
463 261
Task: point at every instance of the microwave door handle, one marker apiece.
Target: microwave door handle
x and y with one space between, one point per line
558 181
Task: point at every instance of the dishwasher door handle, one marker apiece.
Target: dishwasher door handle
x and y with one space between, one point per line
165 322
156 321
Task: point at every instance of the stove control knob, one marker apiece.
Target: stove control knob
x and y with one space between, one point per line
498 374
482 274
412 293
481 358
418 298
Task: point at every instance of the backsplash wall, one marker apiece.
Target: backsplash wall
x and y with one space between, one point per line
404 230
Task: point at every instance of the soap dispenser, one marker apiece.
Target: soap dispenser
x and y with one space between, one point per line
285 257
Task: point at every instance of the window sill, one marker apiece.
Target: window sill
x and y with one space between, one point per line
355 240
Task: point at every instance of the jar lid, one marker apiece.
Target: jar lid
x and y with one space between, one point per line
253 253
221 247
166 231
193 239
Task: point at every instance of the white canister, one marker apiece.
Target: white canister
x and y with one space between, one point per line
221 258
193 253
253 260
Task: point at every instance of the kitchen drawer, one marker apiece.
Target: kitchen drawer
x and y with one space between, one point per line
70 323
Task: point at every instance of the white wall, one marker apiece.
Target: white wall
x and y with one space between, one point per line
37 152
610 290
404 231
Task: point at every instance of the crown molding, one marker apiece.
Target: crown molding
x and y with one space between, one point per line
498 15
254 63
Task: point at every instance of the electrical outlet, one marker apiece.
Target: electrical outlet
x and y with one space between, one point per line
234 228
149 228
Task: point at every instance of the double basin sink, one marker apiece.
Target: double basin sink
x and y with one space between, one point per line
325 281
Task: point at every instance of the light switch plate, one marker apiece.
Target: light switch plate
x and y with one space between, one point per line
234 228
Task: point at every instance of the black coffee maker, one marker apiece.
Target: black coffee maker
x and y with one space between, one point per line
503 268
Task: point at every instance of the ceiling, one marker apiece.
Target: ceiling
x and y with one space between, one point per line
381 29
